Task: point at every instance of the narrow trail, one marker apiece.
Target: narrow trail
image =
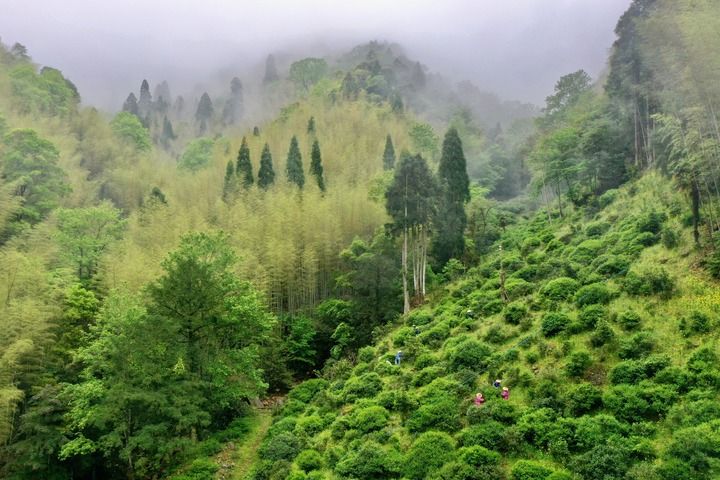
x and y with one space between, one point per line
237 459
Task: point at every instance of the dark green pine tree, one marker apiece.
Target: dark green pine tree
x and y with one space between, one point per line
449 241
266 174
131 104
316 168
204 110
294 168
311 125
389 154
256 131
244 167
168 134
230 183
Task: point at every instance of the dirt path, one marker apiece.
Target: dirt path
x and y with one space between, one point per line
236 460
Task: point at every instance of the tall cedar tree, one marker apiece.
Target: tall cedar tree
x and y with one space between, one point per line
244 166
311 125
294 168
145 101
230 181
412 202
168 134
204 110
316 168
131 104
451 220
271 74
266 174
389 154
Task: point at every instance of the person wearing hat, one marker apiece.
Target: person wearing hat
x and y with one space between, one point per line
505 393
398 357
479 399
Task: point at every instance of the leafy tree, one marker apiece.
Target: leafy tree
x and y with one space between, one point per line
29 162
266 174
389 154
128 128
85 233
307 72
316 168
568 91
411 203
243 169
47 92
271 74
197 154
423 138
449 241
294 168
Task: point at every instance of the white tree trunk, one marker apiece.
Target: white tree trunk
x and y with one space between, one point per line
406 294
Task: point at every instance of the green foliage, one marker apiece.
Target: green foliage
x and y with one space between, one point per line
266 174
307 72
424 139
554 323
469 354
30 163
649 281
197 155
370 419
47 92
294 168
427 454
389 154
128 128
309 460
515 312
243 167
595 293
526 470
578 363
316 168
560 289
370 460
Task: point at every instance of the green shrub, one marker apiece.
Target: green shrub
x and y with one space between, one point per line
427 375
639 345
590 315
310 425
469 354
309 460
486 434
636 403
651 222
529 245
307 390
527 470
611 265
587 251
514 312
283 446
608 197
434 336
200 469
473 463
629 320
596 229
605 461
645 239
583 398
365 386
492 307
649 281
370 460
595 293
578 363
427 454
554 323
670 238
560 289
517 287
435 414
425 360
695 322
370 419
602 335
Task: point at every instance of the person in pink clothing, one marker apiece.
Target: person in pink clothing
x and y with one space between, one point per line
505 393
479 399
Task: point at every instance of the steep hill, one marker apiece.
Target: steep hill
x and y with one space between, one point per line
600 325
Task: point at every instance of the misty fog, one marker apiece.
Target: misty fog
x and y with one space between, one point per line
515 48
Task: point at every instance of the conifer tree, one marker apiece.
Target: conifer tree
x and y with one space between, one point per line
131 104
389 154
271 74
230 181
266 174
204 110
168 134
316 168
145 101
451 220
244 166
233 109
311 125
294 168
256 131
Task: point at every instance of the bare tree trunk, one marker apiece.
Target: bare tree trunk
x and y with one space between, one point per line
406 295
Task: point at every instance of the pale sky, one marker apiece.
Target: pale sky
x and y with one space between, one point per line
516 48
